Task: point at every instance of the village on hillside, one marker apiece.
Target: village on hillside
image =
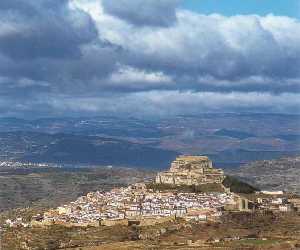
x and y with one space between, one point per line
141 204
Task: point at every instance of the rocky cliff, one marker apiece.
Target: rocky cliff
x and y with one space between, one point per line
190 170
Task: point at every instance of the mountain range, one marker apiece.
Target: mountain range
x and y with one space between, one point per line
230 140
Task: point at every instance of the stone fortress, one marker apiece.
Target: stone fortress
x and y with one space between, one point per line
191 170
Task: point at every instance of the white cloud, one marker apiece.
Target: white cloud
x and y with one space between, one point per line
225 48
129 75
101 58
164 103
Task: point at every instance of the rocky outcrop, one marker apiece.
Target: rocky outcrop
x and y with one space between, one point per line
191 170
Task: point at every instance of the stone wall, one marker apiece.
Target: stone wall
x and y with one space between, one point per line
191 170
110 223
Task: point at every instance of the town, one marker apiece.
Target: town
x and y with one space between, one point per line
142 205
26 165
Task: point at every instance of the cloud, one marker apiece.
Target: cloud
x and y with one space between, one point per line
157 104
143 12
235 49
213 52
96 56
128 77
46 29
53 42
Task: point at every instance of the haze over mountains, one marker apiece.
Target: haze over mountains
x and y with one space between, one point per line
229 139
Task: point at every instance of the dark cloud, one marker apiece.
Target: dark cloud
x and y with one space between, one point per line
39 29
152 103
75 56
143 12
51 45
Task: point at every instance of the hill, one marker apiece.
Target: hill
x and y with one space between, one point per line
229 139
54 186
280 174
235 185
81 150
234 134
238 186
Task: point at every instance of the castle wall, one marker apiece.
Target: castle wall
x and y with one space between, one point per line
191 170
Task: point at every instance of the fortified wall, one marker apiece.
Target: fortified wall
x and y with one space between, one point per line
191 170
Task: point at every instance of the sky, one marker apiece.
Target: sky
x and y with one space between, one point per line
289 8
148 57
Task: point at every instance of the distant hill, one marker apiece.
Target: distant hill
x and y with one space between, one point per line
79 149
290 137
235 157
53 187
229 139
106 125
281 174
234 134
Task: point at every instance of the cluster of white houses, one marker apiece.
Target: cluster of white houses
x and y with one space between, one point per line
136 203
139 204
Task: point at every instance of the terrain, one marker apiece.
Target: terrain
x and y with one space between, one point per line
237 231
234 184
228 139
100 153
81 150
278 174
33 191
51 187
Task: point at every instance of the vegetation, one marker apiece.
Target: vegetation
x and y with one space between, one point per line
53 187
213 187
238 186
59 237
270 175
238 231
234 184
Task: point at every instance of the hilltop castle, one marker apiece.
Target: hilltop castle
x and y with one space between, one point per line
191 170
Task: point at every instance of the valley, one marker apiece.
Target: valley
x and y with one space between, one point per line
54 163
